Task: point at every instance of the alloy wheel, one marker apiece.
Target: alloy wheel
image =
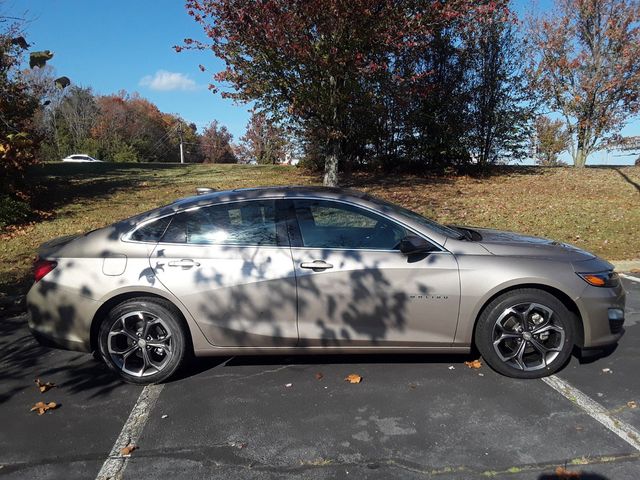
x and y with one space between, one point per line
527 336
140 343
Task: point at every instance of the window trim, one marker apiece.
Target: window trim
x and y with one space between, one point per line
295 234
289 231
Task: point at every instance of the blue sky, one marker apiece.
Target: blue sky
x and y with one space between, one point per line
115 44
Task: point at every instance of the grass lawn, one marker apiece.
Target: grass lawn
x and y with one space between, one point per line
597 209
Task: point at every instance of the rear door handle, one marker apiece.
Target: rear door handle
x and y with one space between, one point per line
184 263
316 265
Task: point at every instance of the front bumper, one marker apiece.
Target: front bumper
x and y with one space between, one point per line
602 312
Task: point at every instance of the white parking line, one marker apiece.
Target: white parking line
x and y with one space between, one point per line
596 411
629 277
114 465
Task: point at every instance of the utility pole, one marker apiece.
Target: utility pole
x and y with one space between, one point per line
181 148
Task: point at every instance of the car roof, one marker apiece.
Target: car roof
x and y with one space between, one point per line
268 192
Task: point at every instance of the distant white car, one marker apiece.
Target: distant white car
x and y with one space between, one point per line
80 157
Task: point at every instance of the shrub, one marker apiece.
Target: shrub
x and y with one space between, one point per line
13 211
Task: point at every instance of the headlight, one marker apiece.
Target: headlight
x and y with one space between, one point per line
601 279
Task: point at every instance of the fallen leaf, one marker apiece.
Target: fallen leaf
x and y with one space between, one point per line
353 378
126 451
474 364
635 270
632 404
44 386
562 472
41 407
319 376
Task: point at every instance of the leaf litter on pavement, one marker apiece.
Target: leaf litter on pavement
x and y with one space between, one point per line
353 378
43 387
40 407
474 364
126 451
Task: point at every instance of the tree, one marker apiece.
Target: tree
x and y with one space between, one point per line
551 139
78 112
587 68
498 106
18 137
215 144
314 62
263 141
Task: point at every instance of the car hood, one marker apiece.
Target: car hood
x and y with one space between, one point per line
504 243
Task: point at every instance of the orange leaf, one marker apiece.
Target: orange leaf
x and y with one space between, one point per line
41 407
44 386
319 376
474 364
126 451
562 472
353 378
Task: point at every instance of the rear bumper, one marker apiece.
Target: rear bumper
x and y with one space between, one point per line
60 317
600 309
58 342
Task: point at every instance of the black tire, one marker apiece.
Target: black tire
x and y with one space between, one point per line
498 322
121 346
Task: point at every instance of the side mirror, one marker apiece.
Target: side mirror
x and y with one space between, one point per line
413 244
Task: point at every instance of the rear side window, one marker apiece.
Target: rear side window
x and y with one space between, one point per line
241 223
152 231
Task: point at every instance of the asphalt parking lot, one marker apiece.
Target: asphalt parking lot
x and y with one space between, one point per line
296 417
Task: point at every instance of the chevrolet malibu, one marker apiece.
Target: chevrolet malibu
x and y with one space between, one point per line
316 270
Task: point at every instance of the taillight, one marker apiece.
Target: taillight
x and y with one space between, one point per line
42 267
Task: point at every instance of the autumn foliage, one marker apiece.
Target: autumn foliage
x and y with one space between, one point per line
587 68
18 137
328 65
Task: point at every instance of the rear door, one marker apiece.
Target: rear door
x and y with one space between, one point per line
230 265
355 288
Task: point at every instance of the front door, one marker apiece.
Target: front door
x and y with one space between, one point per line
355 288
230 265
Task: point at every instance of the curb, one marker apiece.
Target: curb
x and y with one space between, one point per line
626 265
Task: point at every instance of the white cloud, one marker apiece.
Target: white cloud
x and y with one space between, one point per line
167 81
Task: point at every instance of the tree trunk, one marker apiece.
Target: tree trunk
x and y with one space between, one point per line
580 157
331 164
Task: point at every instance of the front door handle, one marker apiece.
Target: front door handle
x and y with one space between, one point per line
184 263
316 265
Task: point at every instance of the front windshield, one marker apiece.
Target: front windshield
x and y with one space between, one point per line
416 217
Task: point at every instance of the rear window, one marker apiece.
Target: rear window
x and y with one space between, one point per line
152 231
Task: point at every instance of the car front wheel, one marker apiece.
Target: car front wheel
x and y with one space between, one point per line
143 340
525 333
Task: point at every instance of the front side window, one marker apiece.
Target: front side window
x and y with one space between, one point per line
327 224
242 223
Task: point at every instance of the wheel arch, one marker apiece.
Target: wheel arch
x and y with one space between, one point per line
566 300
118 298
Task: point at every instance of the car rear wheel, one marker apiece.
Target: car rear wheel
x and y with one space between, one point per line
525 333
143 340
